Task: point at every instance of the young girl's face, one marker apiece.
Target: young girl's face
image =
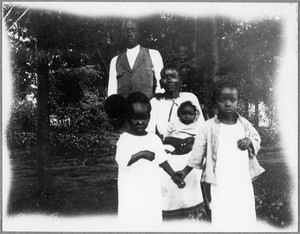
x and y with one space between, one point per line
227 102
139 118
187 114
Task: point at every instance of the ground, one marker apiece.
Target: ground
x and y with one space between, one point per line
85 186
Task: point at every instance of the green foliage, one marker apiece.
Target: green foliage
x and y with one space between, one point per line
89 116
248 54
23 116
269 136
77 94
65 89
88 144
22 125
273 190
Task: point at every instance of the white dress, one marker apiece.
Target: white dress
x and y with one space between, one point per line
165 111
233 204
138 184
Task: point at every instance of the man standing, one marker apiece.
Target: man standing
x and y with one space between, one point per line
137 68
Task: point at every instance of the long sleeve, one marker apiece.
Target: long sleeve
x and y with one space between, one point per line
170 129
161 155
123 155
112 79
195 101
255 139
199 150
158 66
254 136
153 116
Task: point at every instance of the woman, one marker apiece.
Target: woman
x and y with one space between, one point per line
176 202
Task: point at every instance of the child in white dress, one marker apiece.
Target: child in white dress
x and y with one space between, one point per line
139 155
225 149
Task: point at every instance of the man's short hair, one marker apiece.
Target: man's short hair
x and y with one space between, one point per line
136 21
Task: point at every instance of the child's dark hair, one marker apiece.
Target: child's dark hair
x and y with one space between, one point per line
114 106
187 103
136 97
219 88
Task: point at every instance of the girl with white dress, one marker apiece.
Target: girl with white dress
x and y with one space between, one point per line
139 155
225 149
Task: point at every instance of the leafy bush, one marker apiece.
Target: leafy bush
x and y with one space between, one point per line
80 144
269 136
23 116
89 116
86 119
22 125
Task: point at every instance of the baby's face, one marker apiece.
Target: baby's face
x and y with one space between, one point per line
187 115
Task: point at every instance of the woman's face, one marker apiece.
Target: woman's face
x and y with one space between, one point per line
170 80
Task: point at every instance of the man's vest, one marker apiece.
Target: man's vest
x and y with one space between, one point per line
140 78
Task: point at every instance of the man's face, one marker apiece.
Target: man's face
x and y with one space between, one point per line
130 34
170 80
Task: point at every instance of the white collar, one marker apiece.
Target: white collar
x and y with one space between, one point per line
134 49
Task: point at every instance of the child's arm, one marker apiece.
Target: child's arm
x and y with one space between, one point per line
252 141
145 154
183 173
177 180
197 154
182 146
244 143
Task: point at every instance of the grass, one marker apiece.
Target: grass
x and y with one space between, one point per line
273 190
85 186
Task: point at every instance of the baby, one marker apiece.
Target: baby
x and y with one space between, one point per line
185 127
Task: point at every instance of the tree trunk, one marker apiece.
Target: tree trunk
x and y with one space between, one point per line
43 129
247 108
256 114
210 60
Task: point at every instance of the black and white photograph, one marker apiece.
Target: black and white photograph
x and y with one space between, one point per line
149 117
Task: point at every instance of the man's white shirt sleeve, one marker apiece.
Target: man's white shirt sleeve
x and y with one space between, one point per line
112 79
157 65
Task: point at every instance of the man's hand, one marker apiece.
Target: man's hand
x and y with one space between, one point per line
244 143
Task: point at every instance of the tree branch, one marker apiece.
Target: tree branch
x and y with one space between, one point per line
19 18
8 13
